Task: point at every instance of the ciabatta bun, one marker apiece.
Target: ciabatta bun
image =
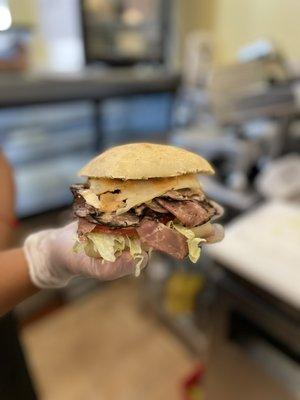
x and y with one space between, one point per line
145 161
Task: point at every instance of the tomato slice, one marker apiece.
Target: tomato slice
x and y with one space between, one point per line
115 231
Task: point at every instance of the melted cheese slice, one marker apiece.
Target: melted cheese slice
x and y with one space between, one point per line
90 197
119 196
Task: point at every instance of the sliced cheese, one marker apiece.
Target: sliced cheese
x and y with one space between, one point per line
118 195
110 202
90 197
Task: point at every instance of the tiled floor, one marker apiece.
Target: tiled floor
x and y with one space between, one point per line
104 347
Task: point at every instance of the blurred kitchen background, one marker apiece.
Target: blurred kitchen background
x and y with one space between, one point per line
218 77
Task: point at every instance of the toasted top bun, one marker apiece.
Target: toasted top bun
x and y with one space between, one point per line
144 161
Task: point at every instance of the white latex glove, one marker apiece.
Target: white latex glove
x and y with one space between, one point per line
52 261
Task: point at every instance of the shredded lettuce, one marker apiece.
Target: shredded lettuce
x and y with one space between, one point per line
192 241
109 247
136 253
77 248
86 246
119 245
139 260
134 246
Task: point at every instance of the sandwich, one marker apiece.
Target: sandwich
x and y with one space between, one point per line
142 197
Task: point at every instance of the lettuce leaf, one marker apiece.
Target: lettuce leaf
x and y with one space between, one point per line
77 248
119 245
134 246
136 252
192 241
109 247
105 245
86 246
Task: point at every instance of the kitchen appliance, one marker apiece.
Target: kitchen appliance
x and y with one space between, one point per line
124 33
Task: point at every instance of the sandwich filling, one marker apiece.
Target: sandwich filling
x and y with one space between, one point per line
166 214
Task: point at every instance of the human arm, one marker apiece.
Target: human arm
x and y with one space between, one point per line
48 261
7 203
15 283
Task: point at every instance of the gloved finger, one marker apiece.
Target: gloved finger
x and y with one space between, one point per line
67 235
125 264
70 231
217 234
146 258
204 231
219 209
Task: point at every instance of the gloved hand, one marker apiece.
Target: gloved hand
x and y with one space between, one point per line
52 261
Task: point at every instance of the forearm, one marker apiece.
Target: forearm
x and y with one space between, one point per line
15 283
7 203
48 261
5 235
